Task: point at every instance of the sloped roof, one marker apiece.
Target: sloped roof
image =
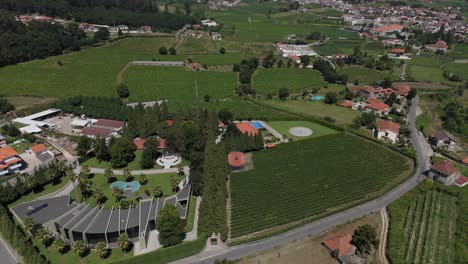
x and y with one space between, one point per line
7 152
139 143
462 180
387 28
96 131
375 104
388 125
247 128
346 103
38 148
236 159
110 123
342 243
445 167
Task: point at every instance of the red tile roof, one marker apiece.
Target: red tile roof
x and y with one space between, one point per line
162 143
346 103
366 88
439 45
388 28
388 125
38 148
462 180
375 104
401 89
270 145
397 51
341 243
7 152
110 123
465 161
236 159
247 128
169 122
96 131
445 167
139 143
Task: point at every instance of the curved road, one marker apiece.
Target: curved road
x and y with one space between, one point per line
332 221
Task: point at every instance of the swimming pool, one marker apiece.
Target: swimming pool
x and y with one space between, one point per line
317 98
133 186
257 125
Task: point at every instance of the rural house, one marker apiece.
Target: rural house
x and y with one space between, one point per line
376 107
384 30
439 45
444 172
443 140
387 130
10 162
340 247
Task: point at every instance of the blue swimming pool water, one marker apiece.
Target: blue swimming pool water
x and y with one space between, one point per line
317 98
257 125
134 185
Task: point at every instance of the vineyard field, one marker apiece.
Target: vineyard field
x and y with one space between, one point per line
146 45
270 80
423 227
311 177
432 61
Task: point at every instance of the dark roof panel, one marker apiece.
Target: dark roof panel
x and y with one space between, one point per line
43 211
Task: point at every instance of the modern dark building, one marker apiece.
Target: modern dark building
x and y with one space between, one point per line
73 222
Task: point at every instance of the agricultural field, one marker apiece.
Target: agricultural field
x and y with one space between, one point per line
430 60
99 181
421 73
146 45
283 128
194 45
460 69
423 226
365 75
270 80
251 23
342 115
311 177
177 83
334 47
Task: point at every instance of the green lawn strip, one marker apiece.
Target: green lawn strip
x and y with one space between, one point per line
284 126
21 147
269 81
165 255
49 188
191 214
149 83
99 181
342 115
305 185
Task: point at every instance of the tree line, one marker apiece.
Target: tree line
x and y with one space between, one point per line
134 13
37 40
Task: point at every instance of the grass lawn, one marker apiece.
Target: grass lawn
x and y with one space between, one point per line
365 75
342 115
284 126
309 178
421 73
148 83
21 147
271 80
191 214
333 47
460 69
49 188
100 181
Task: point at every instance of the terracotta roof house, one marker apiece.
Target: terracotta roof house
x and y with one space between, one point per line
401 89
139 143
382 31
444 172
365 91
247 128
462 181
114 125
340 247
443 139
387 130
346 104
236 160
38 149
397 51
377 107
95 132
196 66
439 45
10 162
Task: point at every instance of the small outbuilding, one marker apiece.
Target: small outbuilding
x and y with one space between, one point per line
236 160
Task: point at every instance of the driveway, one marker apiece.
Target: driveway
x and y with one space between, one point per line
7 255
324 224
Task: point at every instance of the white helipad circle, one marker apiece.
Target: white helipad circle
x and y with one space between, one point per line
300 131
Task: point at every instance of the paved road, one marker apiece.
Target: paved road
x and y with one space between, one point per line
332 221
7 255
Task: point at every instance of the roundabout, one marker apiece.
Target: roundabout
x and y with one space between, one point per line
300 131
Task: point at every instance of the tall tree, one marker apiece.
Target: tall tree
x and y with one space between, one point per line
122 152
123 242
170 227
365 238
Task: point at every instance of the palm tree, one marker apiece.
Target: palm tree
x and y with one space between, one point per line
143 180
109 173
117 193
44 236
59 246
158 191
73 177
29 224
127 174
102 250
79 248
123 242
98 194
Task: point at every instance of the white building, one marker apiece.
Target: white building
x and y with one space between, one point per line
387 130
209 22
295 50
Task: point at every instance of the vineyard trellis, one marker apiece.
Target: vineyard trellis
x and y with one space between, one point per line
147 45
293 182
